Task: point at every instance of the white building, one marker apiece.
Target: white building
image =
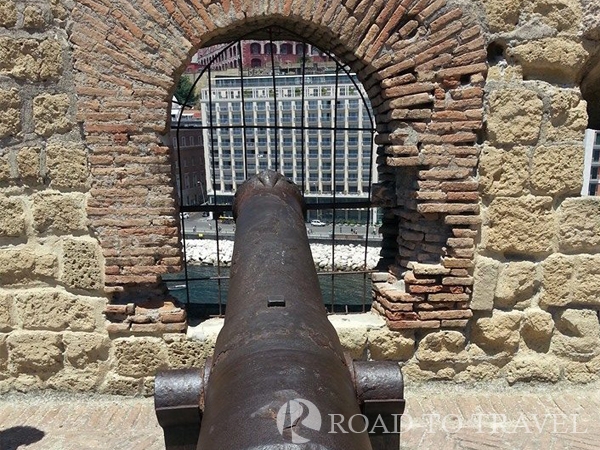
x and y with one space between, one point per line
325 147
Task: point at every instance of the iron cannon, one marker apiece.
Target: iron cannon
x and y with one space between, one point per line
279 378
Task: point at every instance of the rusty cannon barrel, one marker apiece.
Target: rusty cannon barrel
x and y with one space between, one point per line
279 378
277 354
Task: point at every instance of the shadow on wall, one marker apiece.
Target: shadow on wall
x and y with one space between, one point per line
12 438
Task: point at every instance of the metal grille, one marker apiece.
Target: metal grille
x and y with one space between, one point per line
286 106
592 163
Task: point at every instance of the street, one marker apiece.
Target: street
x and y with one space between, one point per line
196 223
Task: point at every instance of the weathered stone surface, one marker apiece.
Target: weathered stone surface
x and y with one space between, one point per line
537 329
555 59
33 17
54 211
51 114
515 285
8 14
557 170
484 286
76 380
30 59
5 171
12 217
577 336
443 347
562 15
523 225
557 274
28 163
590 25
24 264
118 385
568 117
497 333
67 165
82 264
514 116
35 352
533 367
579 224
140 357
48 309
504 172
502 15
10 113
385 344
184 353
6 312
571 280
86 349
579 372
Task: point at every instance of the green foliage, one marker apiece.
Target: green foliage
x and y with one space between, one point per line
184 86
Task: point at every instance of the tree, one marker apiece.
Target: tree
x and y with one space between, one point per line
184 86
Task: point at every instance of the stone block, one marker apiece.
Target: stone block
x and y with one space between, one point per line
51 114
28 163
557 170
557 280
553 59
82 266
587 282
533 367
48 309
385 344
568 116
76 380
577 335
502 15
5 170
6 312
140 357
537 329
117 385
498 333
86 349
12 217
24 264
448 347
514 116
8 14
516 284
562 15
33 17
57 212
504 172
31 59
523 225
579 224
579 372
484 286
35 352
10 113
184 353
67 165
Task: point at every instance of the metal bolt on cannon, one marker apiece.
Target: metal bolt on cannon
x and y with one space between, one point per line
279 378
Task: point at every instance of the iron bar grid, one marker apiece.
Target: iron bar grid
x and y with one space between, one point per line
332 203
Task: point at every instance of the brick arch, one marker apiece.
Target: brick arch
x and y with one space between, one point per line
423 67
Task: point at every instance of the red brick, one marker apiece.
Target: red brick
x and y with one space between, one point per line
448 297
448 314
396 325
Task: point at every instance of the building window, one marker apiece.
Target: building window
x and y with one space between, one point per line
255 49
591 163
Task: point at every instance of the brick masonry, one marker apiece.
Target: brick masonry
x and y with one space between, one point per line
424 68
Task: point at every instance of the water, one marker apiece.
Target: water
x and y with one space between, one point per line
352 293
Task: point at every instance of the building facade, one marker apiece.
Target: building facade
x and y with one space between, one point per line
319 138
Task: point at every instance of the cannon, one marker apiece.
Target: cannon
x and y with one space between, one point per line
279 378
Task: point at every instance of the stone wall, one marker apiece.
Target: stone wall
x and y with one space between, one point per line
490 255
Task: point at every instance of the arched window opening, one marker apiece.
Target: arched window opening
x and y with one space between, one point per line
311 122
255 48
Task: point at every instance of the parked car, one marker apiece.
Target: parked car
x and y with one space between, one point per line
317 223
